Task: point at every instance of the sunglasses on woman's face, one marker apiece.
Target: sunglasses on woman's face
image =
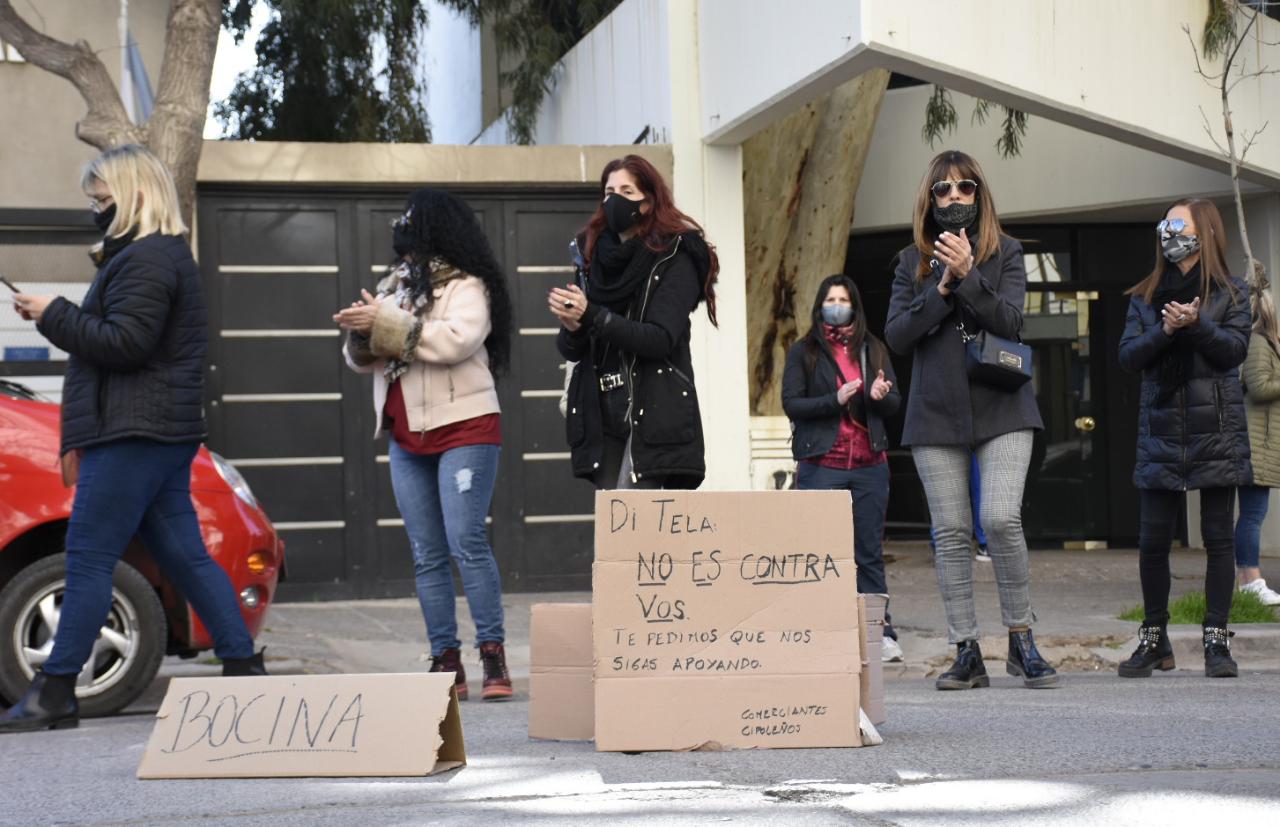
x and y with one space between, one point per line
1171 226
942 189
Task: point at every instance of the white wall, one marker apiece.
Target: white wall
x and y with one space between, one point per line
1060 171
612 85
449 56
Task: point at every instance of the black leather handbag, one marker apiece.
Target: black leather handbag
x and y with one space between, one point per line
994 360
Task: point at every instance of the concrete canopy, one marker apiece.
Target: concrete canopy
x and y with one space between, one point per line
1121 70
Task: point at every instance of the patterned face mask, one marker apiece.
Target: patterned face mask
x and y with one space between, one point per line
1176 246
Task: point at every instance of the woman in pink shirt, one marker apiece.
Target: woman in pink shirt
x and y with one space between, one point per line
837 388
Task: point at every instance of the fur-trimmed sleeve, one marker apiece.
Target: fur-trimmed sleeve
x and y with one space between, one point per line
395 333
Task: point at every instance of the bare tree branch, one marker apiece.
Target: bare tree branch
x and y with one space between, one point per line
1247 76
106 123
1208 130
1248 142
1211 79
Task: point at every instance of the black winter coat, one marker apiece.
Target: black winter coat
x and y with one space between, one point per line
653 337
810 402
137 348
1199 436
946 407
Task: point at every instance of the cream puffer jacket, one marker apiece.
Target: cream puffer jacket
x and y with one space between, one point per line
448 379
1261 374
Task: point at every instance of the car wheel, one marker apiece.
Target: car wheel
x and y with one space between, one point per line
126 654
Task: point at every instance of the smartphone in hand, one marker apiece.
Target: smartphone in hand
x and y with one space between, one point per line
9 284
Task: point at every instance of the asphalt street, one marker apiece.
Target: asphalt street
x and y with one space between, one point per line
1175 749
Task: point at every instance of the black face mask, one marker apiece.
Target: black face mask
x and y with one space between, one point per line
402 241
955 217
103 219
621 213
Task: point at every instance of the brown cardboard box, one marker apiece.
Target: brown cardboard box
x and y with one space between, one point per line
561 697
306 725
871 612
725 620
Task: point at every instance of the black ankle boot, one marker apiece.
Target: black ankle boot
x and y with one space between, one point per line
1154 652
1026 662
1217 653
251 666
49 703
968 672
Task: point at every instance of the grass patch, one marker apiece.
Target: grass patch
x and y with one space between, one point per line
1189 609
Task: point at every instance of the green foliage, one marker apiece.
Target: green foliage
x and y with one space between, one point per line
1012 130
1219 28
532 36
1189 609
940 119
939 116
319 76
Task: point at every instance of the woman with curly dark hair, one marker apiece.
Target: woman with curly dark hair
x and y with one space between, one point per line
633 418
435 336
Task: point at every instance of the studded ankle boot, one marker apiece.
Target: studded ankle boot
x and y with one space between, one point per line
49 703
450 660
968 671
1218 662
1025 661
1154 652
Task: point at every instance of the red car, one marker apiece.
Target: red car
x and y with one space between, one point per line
149 617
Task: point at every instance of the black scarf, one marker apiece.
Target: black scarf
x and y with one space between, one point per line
1174 367
618 268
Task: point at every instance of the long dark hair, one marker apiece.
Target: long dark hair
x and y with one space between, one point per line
925 230
1214 273
662 223
443 226
815 340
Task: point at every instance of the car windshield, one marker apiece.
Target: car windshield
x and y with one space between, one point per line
13 390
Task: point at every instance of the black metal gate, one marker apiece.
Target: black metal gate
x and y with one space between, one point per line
282 407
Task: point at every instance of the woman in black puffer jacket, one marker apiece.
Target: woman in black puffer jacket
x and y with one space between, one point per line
633 419
1187 330
133 417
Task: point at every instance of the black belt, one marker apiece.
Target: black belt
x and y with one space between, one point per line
611 381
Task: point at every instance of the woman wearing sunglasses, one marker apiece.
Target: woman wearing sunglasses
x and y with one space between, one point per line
1187 331
964 275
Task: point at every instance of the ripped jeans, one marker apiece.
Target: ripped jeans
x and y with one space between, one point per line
444 499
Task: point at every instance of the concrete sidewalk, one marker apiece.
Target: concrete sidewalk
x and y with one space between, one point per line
1076 596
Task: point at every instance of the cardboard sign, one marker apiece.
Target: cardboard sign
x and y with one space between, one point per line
561 698
725 620
306 725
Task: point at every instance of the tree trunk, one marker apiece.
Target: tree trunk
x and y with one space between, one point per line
175 130
800 178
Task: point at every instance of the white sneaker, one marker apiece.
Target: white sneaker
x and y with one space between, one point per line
1259 588
891 652
982 556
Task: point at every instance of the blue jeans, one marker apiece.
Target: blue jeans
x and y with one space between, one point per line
870 490
444 499
139 487
1254 500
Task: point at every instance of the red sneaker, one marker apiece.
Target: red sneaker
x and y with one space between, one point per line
497 683
450 660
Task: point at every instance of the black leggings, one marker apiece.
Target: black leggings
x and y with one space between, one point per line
1155 538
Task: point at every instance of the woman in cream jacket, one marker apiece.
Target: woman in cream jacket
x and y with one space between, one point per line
434 337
